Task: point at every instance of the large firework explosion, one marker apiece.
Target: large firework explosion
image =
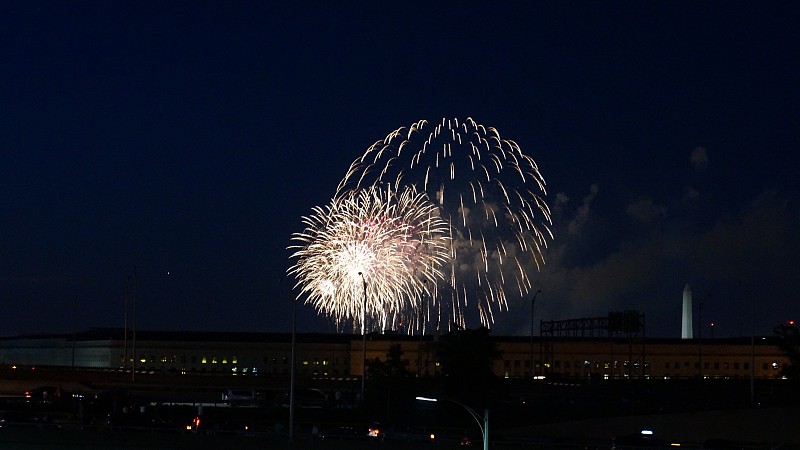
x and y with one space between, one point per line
490 195
369 257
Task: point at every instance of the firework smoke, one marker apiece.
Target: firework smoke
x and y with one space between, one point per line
489 194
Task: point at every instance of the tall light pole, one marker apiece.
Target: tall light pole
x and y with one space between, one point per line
484 426
700 337
533 302
421 330
291 376
133 350
363 337
752 351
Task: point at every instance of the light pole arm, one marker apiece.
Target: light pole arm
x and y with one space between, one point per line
473 414
482 425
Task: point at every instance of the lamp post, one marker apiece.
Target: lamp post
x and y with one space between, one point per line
291 376
700 338
533 302
363 337
752 351
421 329
483 425
133 350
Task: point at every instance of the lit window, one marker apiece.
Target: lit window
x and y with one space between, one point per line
305 363
213 360
164 359
224 360
204 360
234 360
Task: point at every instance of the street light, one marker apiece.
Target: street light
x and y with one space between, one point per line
533 302
363 337
421 329
291 377
484 427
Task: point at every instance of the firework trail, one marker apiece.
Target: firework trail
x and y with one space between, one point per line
490 195
391 244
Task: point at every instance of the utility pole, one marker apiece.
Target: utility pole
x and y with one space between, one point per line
533 302
74 324
363 338
291 379
125 327
133 350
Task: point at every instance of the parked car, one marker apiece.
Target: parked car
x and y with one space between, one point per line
238 397
352 432
42 394
644 439
410 434
213 426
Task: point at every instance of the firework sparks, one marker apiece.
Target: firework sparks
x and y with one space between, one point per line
390 244
488 192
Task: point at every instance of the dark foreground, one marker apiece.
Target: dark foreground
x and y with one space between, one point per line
48 437
101 411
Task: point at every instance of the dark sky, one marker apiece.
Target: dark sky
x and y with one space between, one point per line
186 140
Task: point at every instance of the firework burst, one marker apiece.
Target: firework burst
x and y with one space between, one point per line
368 256
488 192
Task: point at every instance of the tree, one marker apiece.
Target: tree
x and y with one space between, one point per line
389 384
790 345
467 358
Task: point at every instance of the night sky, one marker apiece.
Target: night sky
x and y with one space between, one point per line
185 140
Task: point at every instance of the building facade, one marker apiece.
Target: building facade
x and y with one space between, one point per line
339 355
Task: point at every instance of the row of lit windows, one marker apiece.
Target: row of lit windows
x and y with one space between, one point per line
707 365
173 359
518 364
308 361
717 365
526 364
247 371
